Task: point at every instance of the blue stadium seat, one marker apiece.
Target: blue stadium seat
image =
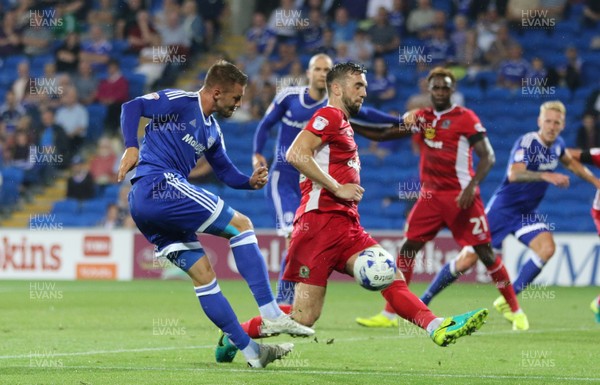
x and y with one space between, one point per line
12 180
137 83
66 206
97 114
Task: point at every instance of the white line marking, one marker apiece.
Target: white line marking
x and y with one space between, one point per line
370 373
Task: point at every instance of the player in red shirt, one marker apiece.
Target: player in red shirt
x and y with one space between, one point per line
327 234
591 156
449 193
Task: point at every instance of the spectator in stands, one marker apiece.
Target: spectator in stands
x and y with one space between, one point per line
173 34
357 9
96 49
152 63
11 111
20 86
383 35
373 7
420 18
19 151
487 26
80 184
382 85
343 27
73 117
67 55
342 53
588 135
111 219
160 17
570 71
266 75
286 56
472 57
53 137
422 99
127 15
329 46
296 77
397 17
361 49
85 83
212 11
102 163
193 25
438 48
592 103
261 102
36 37
261 35
458 37
284 20
104 16
538 70
140 34
591 13
251 60
514 69
311 36
10 38
22 13
112 92
498 50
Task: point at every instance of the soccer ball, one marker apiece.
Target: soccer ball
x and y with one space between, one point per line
374 269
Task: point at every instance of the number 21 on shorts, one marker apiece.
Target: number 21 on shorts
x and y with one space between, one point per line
479 224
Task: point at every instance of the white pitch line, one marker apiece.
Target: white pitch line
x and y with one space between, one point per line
369 373
416 333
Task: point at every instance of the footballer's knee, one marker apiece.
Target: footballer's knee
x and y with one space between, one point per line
466 259
201 272
240 223
546 250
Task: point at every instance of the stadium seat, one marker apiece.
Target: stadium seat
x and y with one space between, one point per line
137 83
66 206
97 114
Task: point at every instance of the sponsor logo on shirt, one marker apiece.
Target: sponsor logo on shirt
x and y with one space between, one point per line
354 163
429 133
198 147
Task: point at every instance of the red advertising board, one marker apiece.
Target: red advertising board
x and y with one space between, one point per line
428 263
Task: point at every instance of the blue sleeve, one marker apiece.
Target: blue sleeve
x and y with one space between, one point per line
370 117
224 169
147 106
272 117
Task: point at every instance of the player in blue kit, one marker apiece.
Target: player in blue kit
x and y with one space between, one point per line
291 109
513 207
170 211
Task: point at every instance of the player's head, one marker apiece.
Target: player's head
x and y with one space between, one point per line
441 83
318 67
226 84
551 120
347 85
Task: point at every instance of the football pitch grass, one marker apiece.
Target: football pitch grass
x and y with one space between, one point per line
154 332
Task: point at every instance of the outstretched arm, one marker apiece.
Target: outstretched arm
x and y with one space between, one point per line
227 173
273 116
579 169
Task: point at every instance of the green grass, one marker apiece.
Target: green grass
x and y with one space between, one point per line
154 332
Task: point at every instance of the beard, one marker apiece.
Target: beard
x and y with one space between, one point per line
352 107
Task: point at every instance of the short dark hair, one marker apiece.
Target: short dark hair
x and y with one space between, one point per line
341 70
223 73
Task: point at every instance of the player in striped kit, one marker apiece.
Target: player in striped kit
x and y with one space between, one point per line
170 211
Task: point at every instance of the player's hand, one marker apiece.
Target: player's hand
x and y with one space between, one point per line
465 199
350 192
259 178
559 180
258 161
129 160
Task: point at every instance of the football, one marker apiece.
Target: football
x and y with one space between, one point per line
374 269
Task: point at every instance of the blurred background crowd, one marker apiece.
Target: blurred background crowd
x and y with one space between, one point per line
67 66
